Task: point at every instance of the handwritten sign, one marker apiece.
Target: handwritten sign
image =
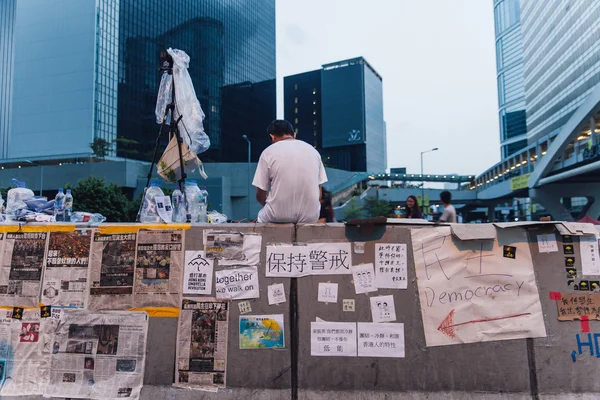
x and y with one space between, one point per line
337 339
276 294
364 278
245 307
312 259
469 292
198 273
574 306
380 340
590 258
239 283
348 305
547 243
328 292
383 309
390 265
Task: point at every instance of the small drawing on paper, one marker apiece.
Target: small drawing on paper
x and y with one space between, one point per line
328 292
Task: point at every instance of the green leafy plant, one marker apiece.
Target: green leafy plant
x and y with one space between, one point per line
377 208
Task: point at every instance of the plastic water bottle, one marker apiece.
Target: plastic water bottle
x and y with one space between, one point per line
178 206
203 206
15 199
192 193
149 213
68 205
59 206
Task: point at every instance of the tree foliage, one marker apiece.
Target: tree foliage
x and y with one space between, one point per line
100 147
377 208
94 195
353 210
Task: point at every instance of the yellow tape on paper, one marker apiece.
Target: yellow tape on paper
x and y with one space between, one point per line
37 228
156 312
133 228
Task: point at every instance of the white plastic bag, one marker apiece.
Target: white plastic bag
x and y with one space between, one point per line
187 104
164 98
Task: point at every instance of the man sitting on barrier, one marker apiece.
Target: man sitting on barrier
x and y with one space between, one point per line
288 178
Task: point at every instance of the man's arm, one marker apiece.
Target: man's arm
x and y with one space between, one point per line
444 216
261 196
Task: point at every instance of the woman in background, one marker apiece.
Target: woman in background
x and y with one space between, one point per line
412 208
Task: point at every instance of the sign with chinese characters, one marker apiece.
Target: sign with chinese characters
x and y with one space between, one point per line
245 307
276 294
328 292
383 309
262 332
312 259
390 265
198 276
590 259
470 292
380 340
575 306
348 305
333 339
364 278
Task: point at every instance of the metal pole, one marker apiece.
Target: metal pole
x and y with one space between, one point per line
422 187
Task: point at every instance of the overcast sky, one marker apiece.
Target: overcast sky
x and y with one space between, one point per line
437 60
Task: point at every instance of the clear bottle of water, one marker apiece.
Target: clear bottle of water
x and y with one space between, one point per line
149 213
192 193
68 205
178 206
203 213
59 206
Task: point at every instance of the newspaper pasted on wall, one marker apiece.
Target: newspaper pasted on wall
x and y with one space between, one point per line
66 269
98 355
25 350
112 263
202 344
159 268
476 290
22 264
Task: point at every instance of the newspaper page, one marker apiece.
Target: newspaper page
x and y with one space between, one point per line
98 355
111 271
22 264
66 269
224 245
202 344
25 350
159 268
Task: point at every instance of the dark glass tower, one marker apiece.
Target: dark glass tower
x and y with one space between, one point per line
232 49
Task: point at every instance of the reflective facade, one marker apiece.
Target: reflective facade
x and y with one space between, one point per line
7 37
89 69
511 83
562 61
339 110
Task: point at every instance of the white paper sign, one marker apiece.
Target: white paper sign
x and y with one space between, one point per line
251 252
287 261
240 283
359 247
328 292
163 206
476 290
390 265
547 243
380 340
336 339
198 276
348 305
276 294
364 278
244 307
383 309
590 259
312 259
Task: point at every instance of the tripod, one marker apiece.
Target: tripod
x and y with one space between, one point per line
167 66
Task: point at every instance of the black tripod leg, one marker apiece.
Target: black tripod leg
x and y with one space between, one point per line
175 130
139 214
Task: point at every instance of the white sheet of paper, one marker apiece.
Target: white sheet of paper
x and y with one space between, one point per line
364 278
390 265
244 307
251 252
383 309
348 305
163 206
380 340
337 339
328 292
287 261
236 284
330 258
590 259
547 243
198 273
469 292
359 247
276 294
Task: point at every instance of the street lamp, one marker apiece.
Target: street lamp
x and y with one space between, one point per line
41 173
423 180
245 137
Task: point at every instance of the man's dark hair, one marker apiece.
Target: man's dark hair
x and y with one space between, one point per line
280 127
446 197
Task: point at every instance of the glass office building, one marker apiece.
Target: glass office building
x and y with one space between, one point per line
7 37
339 110
89 69
562 61
511 83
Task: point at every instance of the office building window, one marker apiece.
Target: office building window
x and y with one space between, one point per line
314 112
314 91
295 120
296 110
315 122
295 86
295 100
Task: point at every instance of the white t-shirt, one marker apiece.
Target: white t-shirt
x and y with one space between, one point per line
291 171
449 214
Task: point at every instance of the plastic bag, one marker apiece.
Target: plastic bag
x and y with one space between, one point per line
164 98
187 104
216 218
79 216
